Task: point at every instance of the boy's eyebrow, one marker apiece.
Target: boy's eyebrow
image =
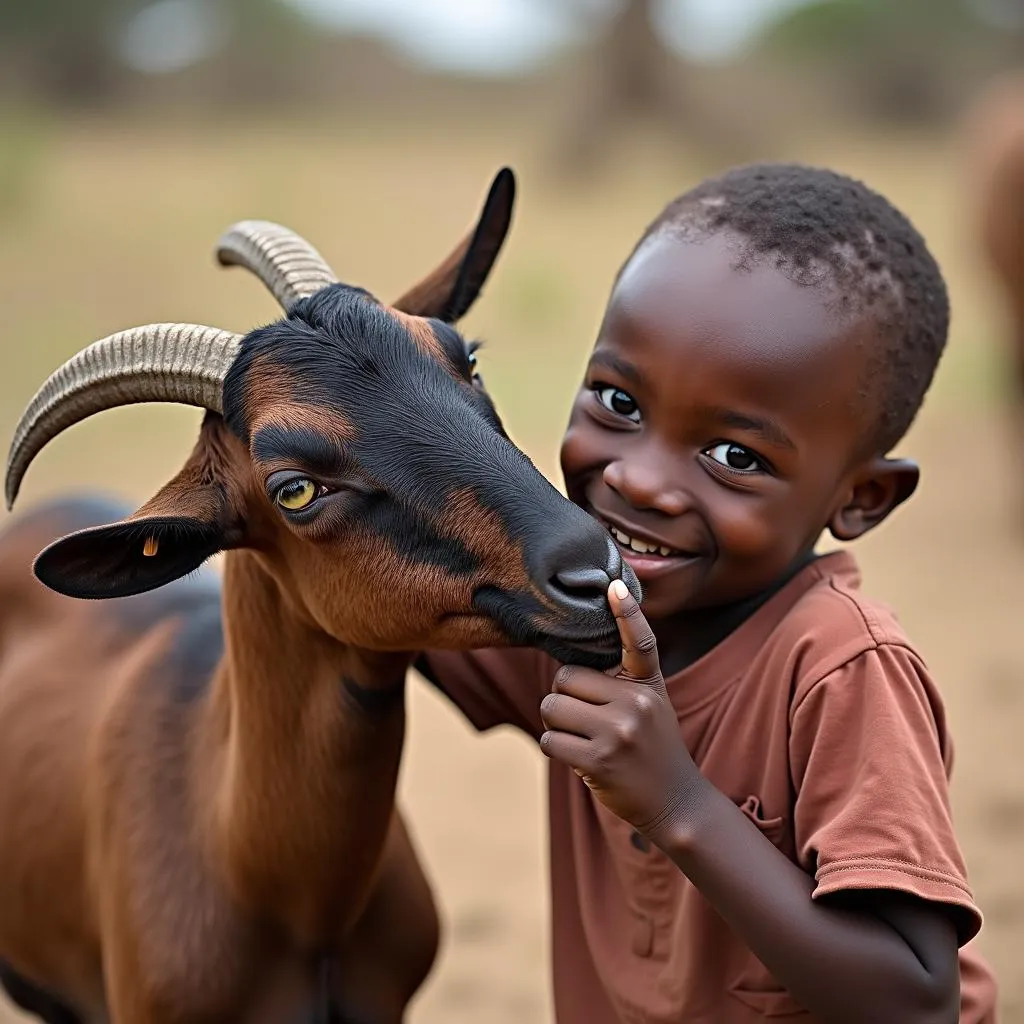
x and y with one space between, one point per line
763 425
620 366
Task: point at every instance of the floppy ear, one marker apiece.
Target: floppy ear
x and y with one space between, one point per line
447 293
184 523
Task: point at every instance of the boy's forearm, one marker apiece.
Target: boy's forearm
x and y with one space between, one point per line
841 965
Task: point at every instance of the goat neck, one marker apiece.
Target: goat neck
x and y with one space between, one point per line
305 773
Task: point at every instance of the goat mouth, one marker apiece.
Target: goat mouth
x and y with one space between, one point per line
593 652
611 643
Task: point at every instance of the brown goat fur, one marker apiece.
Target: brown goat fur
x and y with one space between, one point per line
197 775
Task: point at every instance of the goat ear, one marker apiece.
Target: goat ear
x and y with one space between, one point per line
447 293
126 558
183 524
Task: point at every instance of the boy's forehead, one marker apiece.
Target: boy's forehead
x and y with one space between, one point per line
696 331
690 293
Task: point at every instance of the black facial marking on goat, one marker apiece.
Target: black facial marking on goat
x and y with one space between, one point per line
409 535
303 447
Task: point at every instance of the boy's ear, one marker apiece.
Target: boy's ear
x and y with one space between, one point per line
875 490
447 292
184 523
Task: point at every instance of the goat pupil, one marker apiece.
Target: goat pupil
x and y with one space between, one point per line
296 494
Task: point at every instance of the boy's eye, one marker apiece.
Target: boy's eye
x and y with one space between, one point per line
619 402
735 457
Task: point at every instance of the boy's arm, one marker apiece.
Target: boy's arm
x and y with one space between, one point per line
492 686
884 956
880 956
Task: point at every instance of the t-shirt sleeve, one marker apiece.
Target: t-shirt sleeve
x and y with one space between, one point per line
871 760
494 686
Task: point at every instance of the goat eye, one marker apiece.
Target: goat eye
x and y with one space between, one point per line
472 360
296 494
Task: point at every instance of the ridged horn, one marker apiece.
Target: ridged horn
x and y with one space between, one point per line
184 363
287 264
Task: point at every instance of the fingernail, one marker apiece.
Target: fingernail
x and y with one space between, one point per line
620 590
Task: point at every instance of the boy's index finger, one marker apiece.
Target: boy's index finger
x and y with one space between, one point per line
639 645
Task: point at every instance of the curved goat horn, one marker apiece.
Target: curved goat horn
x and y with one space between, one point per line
183 363
287 264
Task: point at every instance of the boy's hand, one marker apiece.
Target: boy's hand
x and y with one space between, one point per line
619 731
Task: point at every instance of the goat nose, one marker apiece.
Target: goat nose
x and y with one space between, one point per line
580 584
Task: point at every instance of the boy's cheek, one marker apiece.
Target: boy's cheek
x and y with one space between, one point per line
744 535
579 456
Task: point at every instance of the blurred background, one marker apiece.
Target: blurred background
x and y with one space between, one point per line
133 132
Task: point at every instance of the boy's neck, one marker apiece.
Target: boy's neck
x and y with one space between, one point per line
687 637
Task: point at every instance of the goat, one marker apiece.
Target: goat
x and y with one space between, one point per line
197 773
994 142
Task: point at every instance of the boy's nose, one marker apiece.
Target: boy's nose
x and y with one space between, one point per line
644 485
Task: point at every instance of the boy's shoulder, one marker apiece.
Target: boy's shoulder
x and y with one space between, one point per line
828 621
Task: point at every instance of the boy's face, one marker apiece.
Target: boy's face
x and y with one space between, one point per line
719 424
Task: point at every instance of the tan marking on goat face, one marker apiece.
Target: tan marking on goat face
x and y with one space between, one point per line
423 336
480 529
503 563
268 385
359 590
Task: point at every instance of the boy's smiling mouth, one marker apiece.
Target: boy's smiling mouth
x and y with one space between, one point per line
647 556
641 547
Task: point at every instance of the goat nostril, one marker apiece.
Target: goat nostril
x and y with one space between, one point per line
582 583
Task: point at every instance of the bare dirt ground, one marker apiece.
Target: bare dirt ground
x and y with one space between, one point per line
116 229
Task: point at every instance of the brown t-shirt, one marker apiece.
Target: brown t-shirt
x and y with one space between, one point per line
820 721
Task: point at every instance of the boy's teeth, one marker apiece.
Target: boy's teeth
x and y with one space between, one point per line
639 546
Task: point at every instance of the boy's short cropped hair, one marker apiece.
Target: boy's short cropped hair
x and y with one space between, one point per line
823 227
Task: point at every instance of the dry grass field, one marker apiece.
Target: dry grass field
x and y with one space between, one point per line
114 224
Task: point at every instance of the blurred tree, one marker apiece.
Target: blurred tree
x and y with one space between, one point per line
902 61
62 47
67 51
630 76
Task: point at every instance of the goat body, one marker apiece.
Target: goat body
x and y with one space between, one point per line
197 776
128 739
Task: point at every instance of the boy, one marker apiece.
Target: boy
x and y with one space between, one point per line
751 819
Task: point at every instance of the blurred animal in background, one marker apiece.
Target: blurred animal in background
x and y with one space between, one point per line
197 775
994 142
